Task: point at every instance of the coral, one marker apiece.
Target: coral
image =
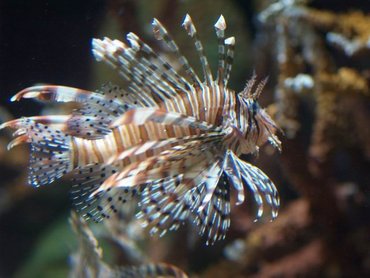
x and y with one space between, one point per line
322 104
336 96
301 51
349 32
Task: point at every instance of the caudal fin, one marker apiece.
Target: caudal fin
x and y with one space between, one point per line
50 156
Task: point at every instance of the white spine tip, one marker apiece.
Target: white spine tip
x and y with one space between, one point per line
96 49
188 25
133 39
230 41
156 26
221 23
187 19
200 209
94 43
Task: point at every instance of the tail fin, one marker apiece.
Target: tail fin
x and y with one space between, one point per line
50 156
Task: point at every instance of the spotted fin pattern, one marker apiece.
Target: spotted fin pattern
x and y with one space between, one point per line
97 207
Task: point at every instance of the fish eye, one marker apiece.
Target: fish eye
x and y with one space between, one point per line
252 105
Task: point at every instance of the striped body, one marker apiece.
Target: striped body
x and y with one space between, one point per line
168 141
210 105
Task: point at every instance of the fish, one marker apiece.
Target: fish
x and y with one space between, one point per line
165 139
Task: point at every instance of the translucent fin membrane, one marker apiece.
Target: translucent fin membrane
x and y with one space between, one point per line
220 27
161 34
230 44
192 32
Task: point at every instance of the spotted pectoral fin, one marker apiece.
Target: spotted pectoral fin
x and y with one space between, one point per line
160 207
196 194
103 204
167 203
232 172
260 185
214 219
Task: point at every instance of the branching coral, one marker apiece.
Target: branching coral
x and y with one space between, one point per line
302 52
350 31
337 95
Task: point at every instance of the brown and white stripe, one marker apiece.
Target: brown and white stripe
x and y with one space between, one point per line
172 141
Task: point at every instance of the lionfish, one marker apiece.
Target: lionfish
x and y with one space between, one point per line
168 141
